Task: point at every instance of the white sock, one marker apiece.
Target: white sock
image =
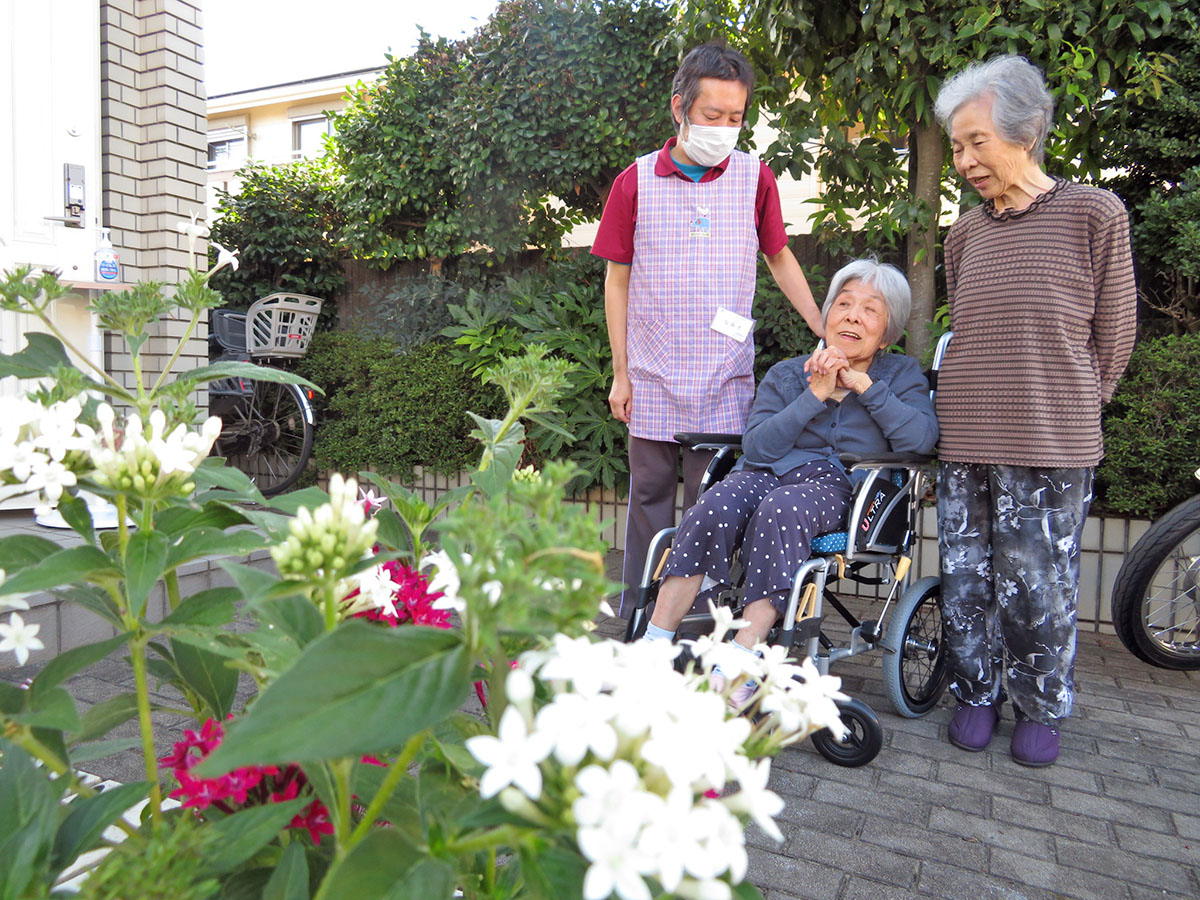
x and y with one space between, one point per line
654 633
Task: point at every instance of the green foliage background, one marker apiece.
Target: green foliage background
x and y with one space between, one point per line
286 229
504 139
1152 429
392 411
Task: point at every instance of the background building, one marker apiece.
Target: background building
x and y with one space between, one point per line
103 105
274 124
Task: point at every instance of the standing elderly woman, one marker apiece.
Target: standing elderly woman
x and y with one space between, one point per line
1043 305
789 487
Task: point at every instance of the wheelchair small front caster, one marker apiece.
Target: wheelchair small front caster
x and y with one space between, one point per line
863 740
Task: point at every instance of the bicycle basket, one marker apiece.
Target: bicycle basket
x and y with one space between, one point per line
281 325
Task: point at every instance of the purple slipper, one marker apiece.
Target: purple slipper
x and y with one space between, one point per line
973 726
1034 744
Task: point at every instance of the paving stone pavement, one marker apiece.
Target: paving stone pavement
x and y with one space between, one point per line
1118 818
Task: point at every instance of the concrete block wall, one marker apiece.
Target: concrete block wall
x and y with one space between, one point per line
153 155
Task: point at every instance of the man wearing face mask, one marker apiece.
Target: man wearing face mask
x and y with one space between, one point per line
681 231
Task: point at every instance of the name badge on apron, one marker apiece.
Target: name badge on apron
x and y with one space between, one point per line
700 225
729 323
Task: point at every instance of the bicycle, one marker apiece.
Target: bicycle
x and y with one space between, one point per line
1156 597
267 429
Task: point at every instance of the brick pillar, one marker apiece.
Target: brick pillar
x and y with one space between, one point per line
153 156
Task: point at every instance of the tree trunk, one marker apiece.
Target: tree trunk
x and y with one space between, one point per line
925 176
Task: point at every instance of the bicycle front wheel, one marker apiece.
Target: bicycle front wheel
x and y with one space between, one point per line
1156 597
269 435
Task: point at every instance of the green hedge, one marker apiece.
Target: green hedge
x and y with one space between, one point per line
1152 430
392 411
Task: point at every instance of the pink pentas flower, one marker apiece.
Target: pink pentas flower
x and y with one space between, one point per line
413 600
243 787
315 819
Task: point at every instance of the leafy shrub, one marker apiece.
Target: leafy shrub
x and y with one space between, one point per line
392 411
1152 429
284 225
562 307
506 138
411 312
780 332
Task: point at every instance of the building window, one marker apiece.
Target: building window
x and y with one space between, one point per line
308 137
226 152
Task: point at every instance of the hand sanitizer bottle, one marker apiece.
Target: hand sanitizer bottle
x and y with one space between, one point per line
108 268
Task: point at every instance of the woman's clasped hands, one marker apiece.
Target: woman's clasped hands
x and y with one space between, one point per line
831 375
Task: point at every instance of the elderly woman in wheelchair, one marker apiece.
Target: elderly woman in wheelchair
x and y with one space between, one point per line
850 397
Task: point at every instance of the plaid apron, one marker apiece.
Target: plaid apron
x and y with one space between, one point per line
695 249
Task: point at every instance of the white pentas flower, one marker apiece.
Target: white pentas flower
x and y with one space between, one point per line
376 590
195 230
43 449
445 579
323 544
224 258
512 756
19 638
647 766
147 461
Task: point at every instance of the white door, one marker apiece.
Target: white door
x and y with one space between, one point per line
49 117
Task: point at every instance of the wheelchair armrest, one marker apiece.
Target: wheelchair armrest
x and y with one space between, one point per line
884 460
697 440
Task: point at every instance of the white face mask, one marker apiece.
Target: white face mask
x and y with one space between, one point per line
707 145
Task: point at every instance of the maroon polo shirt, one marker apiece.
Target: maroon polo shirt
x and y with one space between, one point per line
614 239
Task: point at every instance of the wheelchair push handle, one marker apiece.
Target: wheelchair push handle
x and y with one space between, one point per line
884 460
700 440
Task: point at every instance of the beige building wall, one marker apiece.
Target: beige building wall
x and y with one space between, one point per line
273 124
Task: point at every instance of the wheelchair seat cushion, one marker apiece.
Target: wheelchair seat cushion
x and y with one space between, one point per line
833 542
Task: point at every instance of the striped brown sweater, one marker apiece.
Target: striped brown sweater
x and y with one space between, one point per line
1043 307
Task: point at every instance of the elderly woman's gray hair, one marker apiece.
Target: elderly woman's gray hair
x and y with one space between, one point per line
887 280
1022 109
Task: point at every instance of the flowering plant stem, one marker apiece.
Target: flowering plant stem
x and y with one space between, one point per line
397 771
137 657
178 349
341 776
504 835
329 604
497 692
50 326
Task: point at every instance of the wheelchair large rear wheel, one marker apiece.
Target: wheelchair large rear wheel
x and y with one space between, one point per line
863 740
1156 597
268 435
915 669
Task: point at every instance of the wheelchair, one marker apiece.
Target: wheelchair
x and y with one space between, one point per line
874 549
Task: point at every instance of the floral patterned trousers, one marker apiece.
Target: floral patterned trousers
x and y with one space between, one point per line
1009 542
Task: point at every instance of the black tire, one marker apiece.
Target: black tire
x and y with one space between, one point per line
269 435
1156 597
862 742
915 668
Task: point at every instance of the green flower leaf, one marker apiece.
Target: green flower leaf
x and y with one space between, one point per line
357 689
87 819
145 561
208 675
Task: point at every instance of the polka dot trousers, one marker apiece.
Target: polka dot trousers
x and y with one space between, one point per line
773 518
